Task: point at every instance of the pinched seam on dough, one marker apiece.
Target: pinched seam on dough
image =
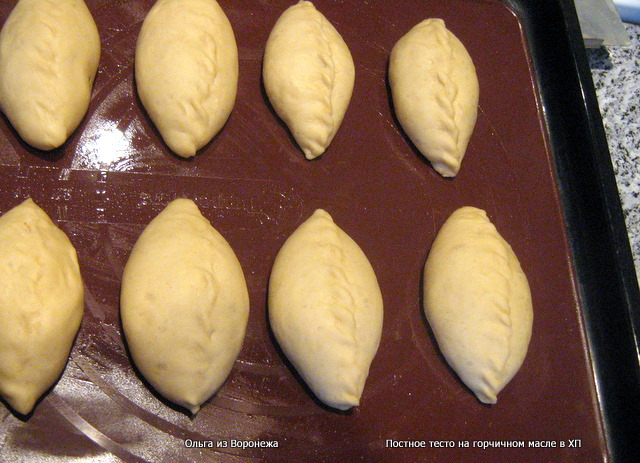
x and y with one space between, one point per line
41 229
38 229
193 397
207 272
500 331
449 141
45 49
205 49
343 301
213 287
327 75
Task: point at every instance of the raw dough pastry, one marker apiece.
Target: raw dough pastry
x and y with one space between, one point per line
41 304
477 302
308 75
184 305
325 309
49 54
186 69
435 93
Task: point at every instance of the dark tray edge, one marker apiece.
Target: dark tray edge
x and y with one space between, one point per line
607 284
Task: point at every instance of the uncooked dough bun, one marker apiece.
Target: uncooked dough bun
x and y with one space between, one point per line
184 305
477 302
435 93
41 304
308 75
186 70
325 309
49 54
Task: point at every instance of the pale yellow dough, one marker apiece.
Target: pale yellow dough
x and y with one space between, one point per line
41 304
435 93
308 75
325 309
186 70
184 305
477 302
49 54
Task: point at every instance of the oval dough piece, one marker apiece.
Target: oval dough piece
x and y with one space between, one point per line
308 75
325 309
184 305
435 93
49 54
41 304
477 302
186 69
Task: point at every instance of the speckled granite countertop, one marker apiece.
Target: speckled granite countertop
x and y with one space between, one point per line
616 76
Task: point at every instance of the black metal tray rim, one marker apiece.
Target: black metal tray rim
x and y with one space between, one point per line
603 264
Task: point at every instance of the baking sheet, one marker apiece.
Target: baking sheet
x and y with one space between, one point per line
114 175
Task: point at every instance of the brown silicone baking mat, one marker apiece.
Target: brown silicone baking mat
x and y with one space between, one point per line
114 175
